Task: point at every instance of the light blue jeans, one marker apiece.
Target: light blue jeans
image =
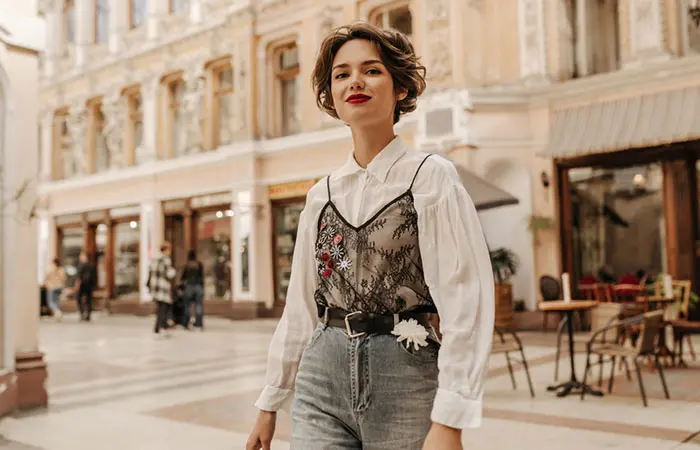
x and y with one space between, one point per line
368 393
53 299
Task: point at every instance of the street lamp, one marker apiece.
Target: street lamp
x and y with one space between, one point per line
694 11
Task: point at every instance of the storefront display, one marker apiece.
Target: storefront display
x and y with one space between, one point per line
126 259
286 222
71 241
214 251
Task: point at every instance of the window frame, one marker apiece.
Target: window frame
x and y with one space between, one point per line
170 106
280 75
217 92
172 10
68 7
96 37
384 11
132 25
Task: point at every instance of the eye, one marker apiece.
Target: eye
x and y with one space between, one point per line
340 75
374 71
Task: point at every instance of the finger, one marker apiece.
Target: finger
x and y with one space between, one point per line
267 445
252 445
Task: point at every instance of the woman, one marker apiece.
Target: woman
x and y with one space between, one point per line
54 282
193 280
386 240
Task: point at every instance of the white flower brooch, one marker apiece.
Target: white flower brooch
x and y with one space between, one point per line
412 332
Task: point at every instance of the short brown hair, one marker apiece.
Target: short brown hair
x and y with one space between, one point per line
395 51
165 246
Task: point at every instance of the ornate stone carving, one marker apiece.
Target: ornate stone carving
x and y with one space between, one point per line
192 108
646 21
74 144
438 52
114 111
329 17
532 51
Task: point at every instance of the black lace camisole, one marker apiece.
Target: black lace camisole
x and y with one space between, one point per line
376 267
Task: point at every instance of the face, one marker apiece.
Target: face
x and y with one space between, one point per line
83 257
361 86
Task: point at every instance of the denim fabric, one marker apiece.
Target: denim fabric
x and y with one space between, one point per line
53 299
194 295
367 393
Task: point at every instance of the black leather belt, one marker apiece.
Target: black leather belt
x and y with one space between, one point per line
360 323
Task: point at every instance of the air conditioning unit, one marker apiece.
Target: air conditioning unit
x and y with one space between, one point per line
443 120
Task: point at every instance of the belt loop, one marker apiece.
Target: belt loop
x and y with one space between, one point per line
325 316
396 319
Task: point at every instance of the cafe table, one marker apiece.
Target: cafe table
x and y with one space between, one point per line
568 307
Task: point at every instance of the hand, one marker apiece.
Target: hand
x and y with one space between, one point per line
441 437
261 436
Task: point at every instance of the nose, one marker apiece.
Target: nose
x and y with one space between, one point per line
356 83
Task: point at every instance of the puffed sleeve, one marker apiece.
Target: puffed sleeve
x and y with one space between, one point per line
458 272
297 323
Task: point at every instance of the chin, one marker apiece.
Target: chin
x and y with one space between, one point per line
361 119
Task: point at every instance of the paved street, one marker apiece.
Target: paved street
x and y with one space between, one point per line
113 386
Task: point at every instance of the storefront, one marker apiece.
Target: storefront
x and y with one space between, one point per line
628 213
203 224
287 201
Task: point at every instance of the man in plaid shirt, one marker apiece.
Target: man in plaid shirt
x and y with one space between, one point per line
160 276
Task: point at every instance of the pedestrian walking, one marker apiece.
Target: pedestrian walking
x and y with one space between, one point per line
193 280
54 283
160 276
85 284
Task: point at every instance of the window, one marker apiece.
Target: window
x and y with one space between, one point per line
396 16
71 243
691 15
135 125
177 6
98 142
126 258
178 130
223 103
69 21
214 251
139 11
287 72
593 49
285 224
101 21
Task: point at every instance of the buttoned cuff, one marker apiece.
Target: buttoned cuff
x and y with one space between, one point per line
453 410
274 399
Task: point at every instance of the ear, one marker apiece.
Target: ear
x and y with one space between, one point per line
403 93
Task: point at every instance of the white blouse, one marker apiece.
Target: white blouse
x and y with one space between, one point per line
456 266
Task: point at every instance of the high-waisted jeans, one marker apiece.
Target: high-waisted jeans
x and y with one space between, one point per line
369 393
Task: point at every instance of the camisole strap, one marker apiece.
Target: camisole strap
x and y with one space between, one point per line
416 174
328 185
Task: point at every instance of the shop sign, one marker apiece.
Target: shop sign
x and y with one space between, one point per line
290 190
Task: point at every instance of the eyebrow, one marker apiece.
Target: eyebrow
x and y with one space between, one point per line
365 63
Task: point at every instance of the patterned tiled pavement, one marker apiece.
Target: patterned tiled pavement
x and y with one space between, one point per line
112 385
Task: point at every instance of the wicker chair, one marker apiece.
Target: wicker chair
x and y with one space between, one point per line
683 328
506 342
651 325
550 290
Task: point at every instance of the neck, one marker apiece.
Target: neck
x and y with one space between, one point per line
368 142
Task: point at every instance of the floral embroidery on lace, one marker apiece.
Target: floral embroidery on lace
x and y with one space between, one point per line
374 268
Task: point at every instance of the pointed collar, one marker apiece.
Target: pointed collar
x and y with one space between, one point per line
380 166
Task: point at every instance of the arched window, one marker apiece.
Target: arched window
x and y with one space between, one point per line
139 12
101 21
69 21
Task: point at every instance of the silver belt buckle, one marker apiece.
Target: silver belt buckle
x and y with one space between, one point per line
348 328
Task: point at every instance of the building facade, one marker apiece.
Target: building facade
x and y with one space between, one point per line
22 369
193 121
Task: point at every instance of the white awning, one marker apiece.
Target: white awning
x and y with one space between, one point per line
642 121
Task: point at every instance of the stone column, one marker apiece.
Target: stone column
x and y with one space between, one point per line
151 237
647 41
118 24
533 55
196 11
85 29
47 150
77 125
150 89
114 109
158 10
53 43
437 46
583 64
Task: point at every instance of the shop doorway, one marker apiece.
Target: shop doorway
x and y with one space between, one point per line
175 234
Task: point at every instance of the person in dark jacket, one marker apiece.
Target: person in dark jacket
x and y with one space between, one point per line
85 284
193 280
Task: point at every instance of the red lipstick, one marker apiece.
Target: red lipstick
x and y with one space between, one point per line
357 99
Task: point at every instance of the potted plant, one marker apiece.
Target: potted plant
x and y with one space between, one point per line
504 264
